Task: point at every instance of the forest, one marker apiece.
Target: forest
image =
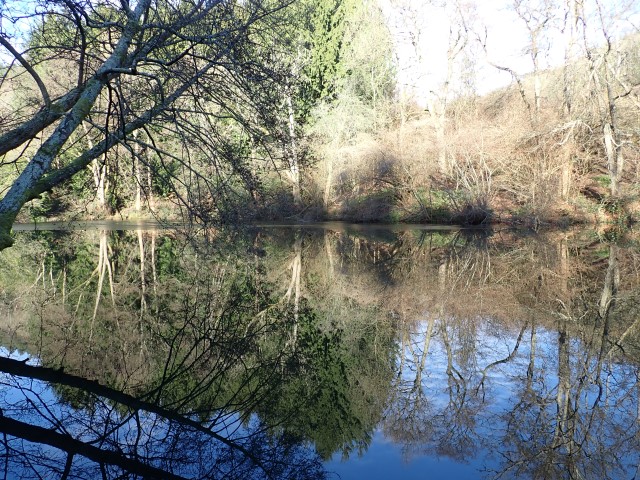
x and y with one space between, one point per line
238 111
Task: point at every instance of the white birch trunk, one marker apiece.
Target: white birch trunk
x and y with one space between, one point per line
294 168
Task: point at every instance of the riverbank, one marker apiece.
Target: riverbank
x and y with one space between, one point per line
390 209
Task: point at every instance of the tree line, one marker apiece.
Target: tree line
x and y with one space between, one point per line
229 110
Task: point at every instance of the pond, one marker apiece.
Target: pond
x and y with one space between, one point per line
334 351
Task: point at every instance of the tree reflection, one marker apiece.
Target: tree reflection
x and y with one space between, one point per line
262 356
163 390
334 396
537 401
582 421
157 357
114 435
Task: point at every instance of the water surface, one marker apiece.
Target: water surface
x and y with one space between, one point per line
334 351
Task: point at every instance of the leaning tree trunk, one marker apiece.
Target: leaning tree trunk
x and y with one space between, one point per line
21 189
614 158
612 144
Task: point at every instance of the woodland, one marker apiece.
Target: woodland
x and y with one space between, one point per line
237 111
265 352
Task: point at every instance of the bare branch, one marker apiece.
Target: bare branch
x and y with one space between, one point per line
27 66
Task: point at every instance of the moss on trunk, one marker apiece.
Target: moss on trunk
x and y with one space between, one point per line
6 222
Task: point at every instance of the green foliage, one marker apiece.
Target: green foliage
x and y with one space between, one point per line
167 258
322 398
366 55
51 32
82 185
162 181
48 205
326 39
334 55
213 149
17 267
603 180
376 206
341 35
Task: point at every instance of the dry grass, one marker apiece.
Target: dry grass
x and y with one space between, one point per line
506 161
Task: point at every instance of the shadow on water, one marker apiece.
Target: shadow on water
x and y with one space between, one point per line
276 353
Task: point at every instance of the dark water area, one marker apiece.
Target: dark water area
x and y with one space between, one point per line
334 351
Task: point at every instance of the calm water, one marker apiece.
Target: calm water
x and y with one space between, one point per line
335 351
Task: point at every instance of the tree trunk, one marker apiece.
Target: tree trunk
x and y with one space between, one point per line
614 158
40 163
537 83
143 280
565 179
611 284
437 112
328 184
294 287
99 171
294 168
99 178
570 55
150 189
563 388
138 180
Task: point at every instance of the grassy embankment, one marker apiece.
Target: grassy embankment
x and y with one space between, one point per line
506 159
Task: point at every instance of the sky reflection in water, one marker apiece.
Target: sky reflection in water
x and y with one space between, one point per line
412 355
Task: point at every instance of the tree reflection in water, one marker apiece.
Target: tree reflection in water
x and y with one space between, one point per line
260 357
553 394
157 382
109 434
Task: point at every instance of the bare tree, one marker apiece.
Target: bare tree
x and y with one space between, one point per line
536 18
595 30
605 65
172 69
431 82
